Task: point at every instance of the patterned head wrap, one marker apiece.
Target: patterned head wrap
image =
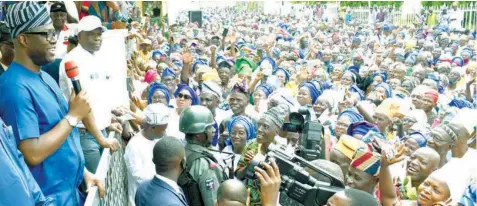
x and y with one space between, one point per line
361 128
366 161
276 115
25 16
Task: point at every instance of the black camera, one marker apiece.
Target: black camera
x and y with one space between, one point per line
297 183
311 134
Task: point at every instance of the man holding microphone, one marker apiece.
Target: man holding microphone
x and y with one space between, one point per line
43 123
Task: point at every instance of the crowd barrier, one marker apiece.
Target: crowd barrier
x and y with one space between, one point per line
111 169
361 15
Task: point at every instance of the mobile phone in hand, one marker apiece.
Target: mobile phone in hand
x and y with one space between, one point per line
225 32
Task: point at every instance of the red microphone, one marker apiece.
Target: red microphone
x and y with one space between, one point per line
73 73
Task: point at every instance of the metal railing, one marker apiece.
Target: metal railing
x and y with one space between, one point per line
111 169
361 15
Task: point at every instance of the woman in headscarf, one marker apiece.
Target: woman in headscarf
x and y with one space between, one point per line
150 76
360 129
380 77
337 73
326 107
185 97
261 94
283 75
414 117
268 127
441 187
349 84
158 93
409 83
414 141
308 93
345 119
383 91
241 130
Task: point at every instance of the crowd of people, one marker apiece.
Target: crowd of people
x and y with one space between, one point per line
397 103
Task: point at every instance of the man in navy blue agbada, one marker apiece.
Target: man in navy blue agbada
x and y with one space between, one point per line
31 102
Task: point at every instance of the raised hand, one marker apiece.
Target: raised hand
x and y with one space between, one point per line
392 159
187 57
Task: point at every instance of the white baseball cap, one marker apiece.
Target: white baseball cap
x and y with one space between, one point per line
156 114
90 23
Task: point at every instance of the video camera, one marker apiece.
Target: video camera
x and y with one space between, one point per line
311 134
297 183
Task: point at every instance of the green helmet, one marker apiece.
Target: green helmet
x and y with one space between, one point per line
195 119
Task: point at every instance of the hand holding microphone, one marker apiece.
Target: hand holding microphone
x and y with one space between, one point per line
79 106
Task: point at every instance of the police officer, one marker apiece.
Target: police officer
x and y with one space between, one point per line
197 122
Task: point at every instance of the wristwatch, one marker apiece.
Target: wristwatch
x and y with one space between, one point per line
72 121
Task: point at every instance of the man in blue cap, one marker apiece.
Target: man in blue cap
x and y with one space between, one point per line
43 124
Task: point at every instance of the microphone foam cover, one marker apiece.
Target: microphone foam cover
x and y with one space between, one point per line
71 69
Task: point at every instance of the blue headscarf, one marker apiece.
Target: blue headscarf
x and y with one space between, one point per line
326 84
156 86
270 60
419 138
383 75
386 88
246 123
287 75
276 52
198 62
353 75
177 63
437 79
354 69
352 114
314 90
157 52
168 72
362 128
461 103
266 88
180 87
355 89
469 197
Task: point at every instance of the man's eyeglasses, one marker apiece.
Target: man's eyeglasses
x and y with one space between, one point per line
185 96
49 35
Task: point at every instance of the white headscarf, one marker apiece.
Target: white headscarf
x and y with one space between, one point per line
457 176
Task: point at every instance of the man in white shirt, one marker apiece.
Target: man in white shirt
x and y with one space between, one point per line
210 97
169 161
456 17
138 155
93 79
